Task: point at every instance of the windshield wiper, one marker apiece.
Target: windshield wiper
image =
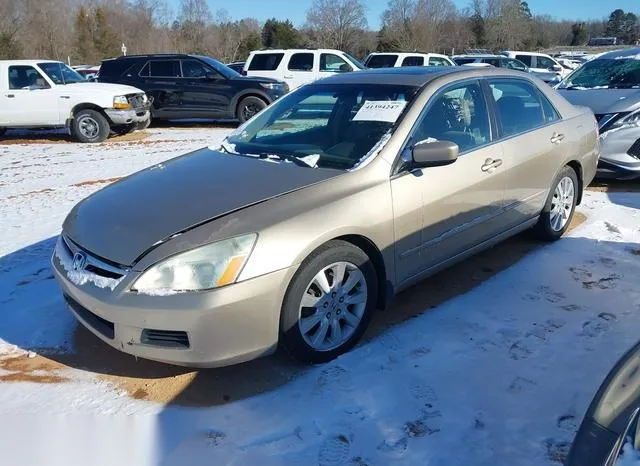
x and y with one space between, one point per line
230 148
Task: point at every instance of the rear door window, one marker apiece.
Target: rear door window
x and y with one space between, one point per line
382 61
544 62
265 61
194 69
161 69
526 59
301 62
413 60
519 105
514 64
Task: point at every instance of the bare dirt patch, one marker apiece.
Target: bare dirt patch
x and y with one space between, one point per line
94 182
615 186
64 138
25 369
31 193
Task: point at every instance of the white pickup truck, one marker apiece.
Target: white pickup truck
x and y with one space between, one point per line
49 94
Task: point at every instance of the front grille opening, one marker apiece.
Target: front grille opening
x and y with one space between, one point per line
103 326
634 150
102 272
165 338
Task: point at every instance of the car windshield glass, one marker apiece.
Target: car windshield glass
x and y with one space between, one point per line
357 63
324 125
220 68
60 73
605 73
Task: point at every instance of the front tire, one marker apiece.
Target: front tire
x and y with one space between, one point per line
560 206
90 126
248 107
329 303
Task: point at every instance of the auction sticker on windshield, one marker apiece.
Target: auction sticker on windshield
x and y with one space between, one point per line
380 110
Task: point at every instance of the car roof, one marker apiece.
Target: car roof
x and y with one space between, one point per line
412 75
479 55
30 62
633 52
296 50
407 53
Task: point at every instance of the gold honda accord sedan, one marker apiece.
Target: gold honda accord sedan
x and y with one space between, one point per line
314 213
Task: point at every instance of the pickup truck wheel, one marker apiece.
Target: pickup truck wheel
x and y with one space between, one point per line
248 107
90 126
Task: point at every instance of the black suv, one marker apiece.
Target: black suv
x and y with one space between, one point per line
192 86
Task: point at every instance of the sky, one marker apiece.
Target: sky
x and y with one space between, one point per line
295 10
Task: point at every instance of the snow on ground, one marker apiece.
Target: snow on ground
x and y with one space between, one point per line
499 376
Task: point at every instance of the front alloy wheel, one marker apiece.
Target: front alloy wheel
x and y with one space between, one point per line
329 303
557 212
332 307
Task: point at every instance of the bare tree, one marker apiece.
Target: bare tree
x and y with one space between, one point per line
337 24
417 25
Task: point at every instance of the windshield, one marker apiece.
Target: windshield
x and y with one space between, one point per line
357 63
324 125
220 68
60 73
605 73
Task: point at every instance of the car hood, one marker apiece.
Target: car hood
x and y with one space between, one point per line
124 220
258 79
603 101
102 88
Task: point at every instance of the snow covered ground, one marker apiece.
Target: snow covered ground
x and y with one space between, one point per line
498 376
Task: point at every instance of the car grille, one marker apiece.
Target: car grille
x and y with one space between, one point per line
102 326
634 150
94 264
165 338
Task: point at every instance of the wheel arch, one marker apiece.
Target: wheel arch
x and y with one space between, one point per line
86 106
249 93
577 167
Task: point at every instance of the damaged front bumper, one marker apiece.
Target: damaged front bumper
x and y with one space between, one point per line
137 115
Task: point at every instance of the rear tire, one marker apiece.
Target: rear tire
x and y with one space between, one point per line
90 126
248 107
318 325
560 206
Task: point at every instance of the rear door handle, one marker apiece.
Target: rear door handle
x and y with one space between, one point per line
491 164
556 138
65 97
11 96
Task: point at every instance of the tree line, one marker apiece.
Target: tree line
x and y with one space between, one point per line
86 31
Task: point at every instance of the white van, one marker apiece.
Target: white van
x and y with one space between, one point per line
538 63
395 60
299 66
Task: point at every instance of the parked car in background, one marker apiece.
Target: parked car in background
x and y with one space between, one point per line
49 94
87 71
299 66
610 86
391 60
609 434
499 61
314 213
568 63
237 66
193 86
540 64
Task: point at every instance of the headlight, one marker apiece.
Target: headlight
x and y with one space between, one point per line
272 86
632 119
203 268
121 102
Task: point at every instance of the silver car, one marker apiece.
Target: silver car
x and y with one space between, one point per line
610 86
319 209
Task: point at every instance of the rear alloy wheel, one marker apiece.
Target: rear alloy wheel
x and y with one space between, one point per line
248 107
329 303
89 126
558 210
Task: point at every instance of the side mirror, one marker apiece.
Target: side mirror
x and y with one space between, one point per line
557 68
212 76
434 154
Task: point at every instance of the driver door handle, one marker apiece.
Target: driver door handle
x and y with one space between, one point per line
491 164
556 138
11 96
